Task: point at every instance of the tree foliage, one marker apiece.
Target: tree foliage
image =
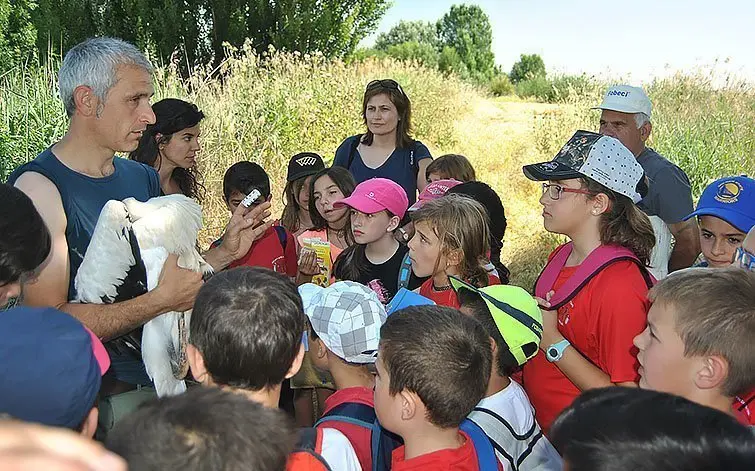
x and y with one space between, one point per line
422 32
529 66
423 53
17 32
466 28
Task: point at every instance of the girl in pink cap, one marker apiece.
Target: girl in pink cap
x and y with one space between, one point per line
377 207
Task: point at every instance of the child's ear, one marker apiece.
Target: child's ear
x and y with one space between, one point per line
196 363
321 351
410 403
714 371
454 257
393 224
601 203
296 365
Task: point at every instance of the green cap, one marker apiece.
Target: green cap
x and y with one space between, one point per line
516 314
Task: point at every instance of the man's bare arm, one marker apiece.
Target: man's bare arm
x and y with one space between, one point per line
176 289
687 246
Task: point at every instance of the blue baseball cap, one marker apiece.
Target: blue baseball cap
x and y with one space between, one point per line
51 368
731 199
405 298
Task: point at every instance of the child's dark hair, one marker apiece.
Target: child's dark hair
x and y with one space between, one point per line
171 116
403 105
460 223
441 355
202 429
489 199
244 177
454 166
25 241
248 323
623 224
345 182
507 364
616 429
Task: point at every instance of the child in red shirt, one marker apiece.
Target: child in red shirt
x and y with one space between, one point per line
433 367
276 248
345 320
594 183
451 237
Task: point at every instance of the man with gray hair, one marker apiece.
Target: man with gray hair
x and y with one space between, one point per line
106 87
625 115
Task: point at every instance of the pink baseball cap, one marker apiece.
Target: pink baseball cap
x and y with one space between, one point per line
433 191
375 195
100 354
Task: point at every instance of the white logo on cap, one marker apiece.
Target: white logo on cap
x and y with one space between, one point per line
550 166
371 195
306 161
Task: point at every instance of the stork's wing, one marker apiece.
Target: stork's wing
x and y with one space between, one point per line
112 269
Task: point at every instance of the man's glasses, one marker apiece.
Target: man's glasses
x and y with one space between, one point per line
745 259
554 191
385 83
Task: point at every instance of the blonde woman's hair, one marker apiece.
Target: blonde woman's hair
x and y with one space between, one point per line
460 223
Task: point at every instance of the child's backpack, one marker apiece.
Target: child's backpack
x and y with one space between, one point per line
384 442
598 259
404 272
307 455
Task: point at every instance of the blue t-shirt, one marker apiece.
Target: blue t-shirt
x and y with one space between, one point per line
83 198
401 166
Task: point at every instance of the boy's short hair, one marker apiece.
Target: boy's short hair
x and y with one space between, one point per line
441 355
454 166
203 429
614 429
248 323
244 177
715 315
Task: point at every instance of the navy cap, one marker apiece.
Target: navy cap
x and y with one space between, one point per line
731 199
51 368
303 165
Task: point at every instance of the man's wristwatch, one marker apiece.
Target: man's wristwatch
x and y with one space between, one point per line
554 352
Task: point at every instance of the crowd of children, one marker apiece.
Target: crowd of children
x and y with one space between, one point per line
306 353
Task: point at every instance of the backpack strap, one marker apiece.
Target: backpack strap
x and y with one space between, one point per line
310 445
481 415
352 413
282 236
404 272
598 259
486 458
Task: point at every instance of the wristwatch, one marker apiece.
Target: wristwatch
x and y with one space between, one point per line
554 352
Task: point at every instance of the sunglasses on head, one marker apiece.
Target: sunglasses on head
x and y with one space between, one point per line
385 83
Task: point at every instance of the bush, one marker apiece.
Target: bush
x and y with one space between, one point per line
529 66
501 85
539 88
422 53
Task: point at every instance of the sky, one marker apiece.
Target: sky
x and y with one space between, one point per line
637 41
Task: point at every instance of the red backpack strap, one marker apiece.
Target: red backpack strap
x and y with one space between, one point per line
598 259
308 453
547 277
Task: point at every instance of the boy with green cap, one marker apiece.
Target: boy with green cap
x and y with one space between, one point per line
513 320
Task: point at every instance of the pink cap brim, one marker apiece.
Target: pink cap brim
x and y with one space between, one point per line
361 204
103 359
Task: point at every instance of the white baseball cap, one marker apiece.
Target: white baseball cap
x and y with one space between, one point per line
347 317
626 99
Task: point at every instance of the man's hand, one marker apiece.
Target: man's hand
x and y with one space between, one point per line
246 226
177 287
687 245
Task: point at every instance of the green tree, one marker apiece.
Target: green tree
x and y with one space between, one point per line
466 28
449 61
17 32
528 67
422 32
412 50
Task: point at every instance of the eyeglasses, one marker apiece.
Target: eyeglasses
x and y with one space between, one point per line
385 83
554 191
745 259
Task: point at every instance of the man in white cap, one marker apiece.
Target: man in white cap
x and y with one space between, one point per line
626 115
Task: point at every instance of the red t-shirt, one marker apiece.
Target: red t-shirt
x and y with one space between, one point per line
447 297
463 458
600 322
267 252
360 437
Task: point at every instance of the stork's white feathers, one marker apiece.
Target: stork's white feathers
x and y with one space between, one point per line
161 226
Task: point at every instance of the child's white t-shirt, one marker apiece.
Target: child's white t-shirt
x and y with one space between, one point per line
508 419
338 451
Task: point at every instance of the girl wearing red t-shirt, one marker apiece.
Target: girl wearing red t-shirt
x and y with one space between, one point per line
451 238
589 196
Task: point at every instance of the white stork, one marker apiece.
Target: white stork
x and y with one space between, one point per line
128 249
